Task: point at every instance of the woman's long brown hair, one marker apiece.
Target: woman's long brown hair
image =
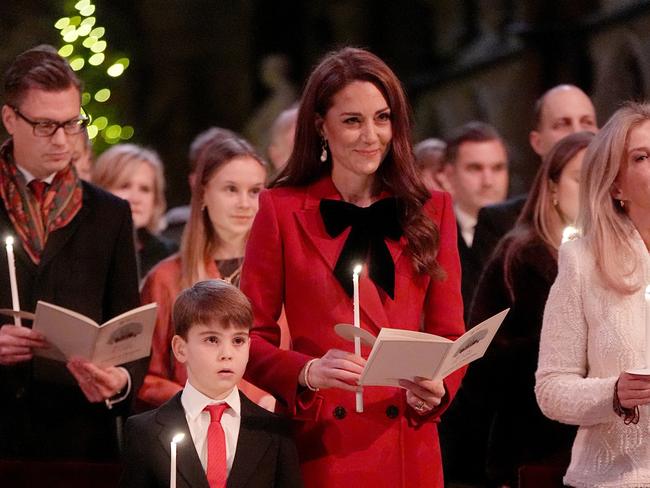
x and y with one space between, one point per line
396 174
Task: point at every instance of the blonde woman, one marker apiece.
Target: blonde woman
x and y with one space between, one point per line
228 180
594 321
135 174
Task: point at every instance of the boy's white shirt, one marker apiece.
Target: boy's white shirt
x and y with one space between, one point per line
198 421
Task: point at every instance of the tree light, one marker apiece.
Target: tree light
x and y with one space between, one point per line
66 50
96 59
115 70
103 95
62 23
77 63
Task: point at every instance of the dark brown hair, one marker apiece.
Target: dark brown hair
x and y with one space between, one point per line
474 131
397 173
40 67
211 302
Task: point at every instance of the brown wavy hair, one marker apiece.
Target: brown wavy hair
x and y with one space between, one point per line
397 172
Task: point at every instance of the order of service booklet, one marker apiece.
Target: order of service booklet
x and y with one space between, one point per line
122 339
404 354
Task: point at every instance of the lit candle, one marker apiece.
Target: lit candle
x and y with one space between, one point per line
357 323
568 233
15 301
647 327
172 472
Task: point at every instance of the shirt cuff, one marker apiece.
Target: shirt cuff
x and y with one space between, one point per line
120 395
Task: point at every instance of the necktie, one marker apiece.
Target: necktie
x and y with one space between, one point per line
366 240
217 471
38 188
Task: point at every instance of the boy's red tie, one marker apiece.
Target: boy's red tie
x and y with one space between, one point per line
217 471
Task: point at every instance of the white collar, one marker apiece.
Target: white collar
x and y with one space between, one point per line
194 401
30 177
467 224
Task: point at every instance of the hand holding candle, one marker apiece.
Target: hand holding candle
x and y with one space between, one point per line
172 473
357 323
15 302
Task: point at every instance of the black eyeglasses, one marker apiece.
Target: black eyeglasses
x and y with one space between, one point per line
47 128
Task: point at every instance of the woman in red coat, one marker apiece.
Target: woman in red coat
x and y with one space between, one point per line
351 193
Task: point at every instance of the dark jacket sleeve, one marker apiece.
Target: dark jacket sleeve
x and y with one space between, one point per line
288 468
122 294
136 472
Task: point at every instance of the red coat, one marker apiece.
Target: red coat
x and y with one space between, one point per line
290 260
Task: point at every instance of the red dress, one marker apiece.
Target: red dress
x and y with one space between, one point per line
289 261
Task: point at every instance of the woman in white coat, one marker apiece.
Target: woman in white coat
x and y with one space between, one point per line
594 327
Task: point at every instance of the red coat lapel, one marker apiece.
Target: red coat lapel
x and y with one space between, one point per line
311 223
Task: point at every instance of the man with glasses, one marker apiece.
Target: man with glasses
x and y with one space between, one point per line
74 248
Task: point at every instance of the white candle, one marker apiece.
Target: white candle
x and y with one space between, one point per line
172 470
647 327
357 323
15 301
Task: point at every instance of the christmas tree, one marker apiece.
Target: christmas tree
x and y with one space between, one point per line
85 45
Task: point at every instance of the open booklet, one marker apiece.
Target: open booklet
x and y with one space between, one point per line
404 354
122 339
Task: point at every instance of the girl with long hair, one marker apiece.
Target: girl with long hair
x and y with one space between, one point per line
229 178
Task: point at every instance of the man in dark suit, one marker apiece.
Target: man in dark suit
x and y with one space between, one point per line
476 168
74 248
244 446
562 110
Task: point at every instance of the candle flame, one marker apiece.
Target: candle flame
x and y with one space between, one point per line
178 438
568 233
9 241
357 269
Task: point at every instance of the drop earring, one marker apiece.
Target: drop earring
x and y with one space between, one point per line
621 203
323 154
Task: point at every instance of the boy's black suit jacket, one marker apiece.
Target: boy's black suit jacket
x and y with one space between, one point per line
265 457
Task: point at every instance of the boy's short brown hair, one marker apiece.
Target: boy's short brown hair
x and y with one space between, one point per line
209 302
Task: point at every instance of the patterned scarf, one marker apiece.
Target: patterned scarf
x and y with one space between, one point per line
33 225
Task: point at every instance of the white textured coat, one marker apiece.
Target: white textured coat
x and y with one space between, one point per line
591 334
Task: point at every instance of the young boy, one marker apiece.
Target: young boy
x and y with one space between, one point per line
248 446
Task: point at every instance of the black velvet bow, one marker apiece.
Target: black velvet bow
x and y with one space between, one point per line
370 225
